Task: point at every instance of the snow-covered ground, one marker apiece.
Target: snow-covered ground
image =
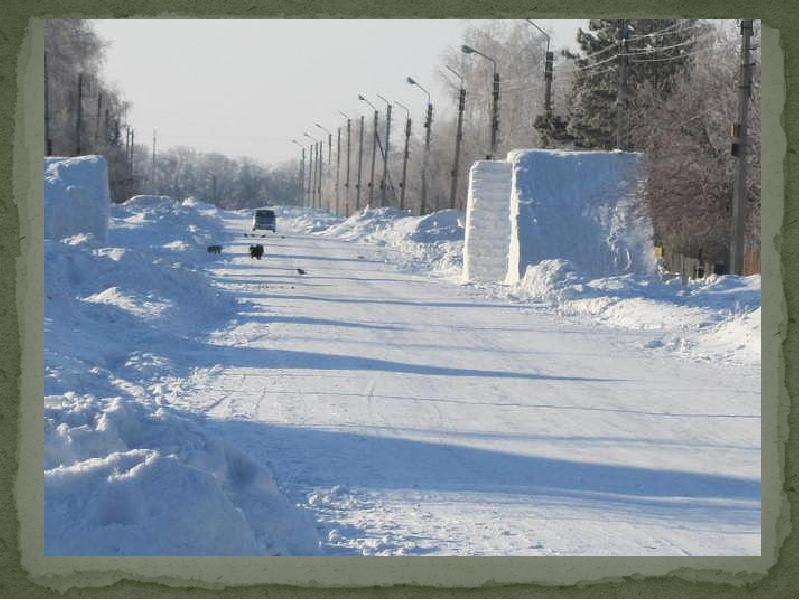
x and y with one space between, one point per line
714 319
214 404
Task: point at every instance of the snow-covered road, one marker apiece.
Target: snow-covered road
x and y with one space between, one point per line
410 415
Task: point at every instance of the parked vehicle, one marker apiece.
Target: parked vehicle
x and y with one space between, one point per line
264 220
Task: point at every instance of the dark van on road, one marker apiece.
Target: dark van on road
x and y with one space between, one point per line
264 220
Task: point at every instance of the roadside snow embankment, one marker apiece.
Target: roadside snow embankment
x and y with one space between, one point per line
714 318
431 243
76 198
126 329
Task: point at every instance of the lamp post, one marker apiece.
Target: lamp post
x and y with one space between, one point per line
405 154
384 177
317 187
426 155
548 77
347 169
495 96
330 160
374 148
302 168
462 97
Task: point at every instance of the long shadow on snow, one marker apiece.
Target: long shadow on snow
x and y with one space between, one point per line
234 356
341 299
312 458
271 319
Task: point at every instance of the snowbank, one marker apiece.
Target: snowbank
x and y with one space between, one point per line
134 478
578 207
714 318
76 198
431 243
126 326
488 227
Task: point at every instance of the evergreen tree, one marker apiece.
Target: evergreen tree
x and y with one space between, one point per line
657 50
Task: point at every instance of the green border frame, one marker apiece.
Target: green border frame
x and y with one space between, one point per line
25 573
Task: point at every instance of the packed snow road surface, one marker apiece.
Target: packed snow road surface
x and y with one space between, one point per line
412 416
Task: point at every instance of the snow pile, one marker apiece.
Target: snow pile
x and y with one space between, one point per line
431 243
718 317
488 227
578 207
135 478
76 198
125 329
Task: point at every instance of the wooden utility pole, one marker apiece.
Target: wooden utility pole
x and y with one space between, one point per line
338 162
153 165
97 118
79 116
405 159
374 150
495 112
622 86
386 153
319 178
328 168
309 192
48 141
360 160
425 158
347 175
302 172
739 150
462 96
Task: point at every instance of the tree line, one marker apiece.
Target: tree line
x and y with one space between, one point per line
680 101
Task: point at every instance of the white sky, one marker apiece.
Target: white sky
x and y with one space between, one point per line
245 87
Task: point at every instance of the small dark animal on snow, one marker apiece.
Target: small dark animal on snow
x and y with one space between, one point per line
301 272
257 251
214 249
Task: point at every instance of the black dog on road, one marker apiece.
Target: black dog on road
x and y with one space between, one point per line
257 251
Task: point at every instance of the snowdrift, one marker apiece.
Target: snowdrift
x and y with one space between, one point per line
431 243
488 228
714 318
135 478
126 325
578 207
76 198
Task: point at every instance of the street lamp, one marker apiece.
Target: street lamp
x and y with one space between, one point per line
374 148
317 171
302 167
426 155
495 95
548 75
462 97
385 149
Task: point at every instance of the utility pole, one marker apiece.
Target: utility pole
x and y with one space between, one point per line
97 117
462 98
79 117
386 149
214 189
338 161
48 142
495 112
310 176
302 171
426 159
319 179
132 147
548 81
374 150
153 166
405 156
360 160
622 85
739 150
347 171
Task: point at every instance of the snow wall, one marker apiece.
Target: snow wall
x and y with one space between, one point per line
76 198
578 207
488 228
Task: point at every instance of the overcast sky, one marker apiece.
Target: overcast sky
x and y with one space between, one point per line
245 87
